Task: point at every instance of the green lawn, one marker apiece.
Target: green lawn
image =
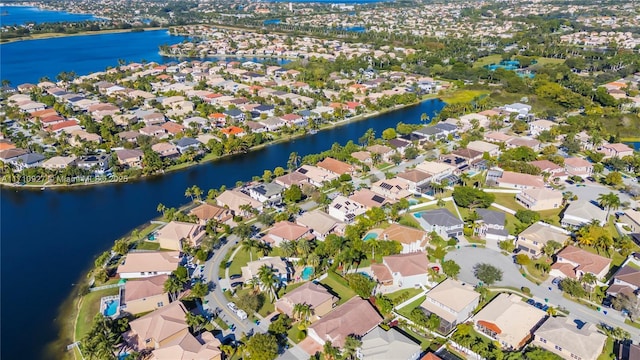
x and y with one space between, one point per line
634 324
545 61
294 333
338 285
148 245
407 293
241 259
410 220
487 60
89 308
406 310
508 200
607 352
221 324
462 96
424 342
535 273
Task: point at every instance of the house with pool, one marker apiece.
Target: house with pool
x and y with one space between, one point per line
443 222
281 268
144 295
320 223
412 239
147 264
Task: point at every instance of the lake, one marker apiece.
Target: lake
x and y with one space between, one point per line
19 15
50 238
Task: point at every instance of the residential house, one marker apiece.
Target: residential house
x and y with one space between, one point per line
185 144
384 152
345 209
129 136
535 237
497 137
394 189
576 166
632 219
520 109
400 145
235 114
515 180
369 198
625 281
235 201
355 317
555 171
431 133
564 337
491 225
205 346
412 240
538 126
402 271
336 167
290 179
539 199
618 150
130 157
158 328
173 235
416 180
316 176
573 262
363 156
267 193
59 162
147 264
316 296
273 123
382 344
442 222
96 163
437 170
281 269
153 131
582 212
320 223
144 295
484 147
287 231
207 212
509 321
452 301
515 142
173 128
165 150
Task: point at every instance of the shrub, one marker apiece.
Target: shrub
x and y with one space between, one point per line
525 290
302 335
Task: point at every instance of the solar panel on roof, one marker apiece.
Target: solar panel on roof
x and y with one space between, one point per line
378 199
337 206
302 171
386 186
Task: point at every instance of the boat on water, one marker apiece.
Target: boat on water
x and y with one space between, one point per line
313 132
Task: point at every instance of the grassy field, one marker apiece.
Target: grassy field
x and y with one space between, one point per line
89 307
148 245
241 259
462 96
409 220
410 293
487 60
509 200
338 285
406 310
294 333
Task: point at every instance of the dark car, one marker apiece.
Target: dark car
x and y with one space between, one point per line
531 301
235 276
606 302
539 305
556 281
545 308
236 284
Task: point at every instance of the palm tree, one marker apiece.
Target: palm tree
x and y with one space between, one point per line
269 280
288 248
173 286
314 260
424 117
589 279
304 247
609 201
303 313
161 208
189 193
351 346
197 192
250 245
196 322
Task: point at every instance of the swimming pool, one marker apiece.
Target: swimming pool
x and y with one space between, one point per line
111 307
413 202
370 236
306 273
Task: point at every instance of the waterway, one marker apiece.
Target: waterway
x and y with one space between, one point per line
20 15
49 238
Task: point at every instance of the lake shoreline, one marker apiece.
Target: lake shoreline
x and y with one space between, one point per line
57 187
82 33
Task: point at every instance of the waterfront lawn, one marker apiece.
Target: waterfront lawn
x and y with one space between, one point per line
462 96
338 285
148 245
241 259
89 307
407 309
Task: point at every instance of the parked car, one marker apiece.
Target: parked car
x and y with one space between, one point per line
241 314
232 306
556 281
531 302
236 284
607 302
235 276
539 305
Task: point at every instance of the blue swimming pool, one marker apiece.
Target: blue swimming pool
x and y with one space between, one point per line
306 273
123 356
370 236
112 307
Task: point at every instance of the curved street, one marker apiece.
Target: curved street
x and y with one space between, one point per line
468 257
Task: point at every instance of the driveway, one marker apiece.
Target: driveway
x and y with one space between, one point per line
467 257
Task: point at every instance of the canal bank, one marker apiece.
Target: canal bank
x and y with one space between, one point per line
50 237
209 157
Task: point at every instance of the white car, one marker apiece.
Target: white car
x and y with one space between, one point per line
241 314
232 306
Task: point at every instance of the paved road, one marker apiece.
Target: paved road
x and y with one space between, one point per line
467 257
216 298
